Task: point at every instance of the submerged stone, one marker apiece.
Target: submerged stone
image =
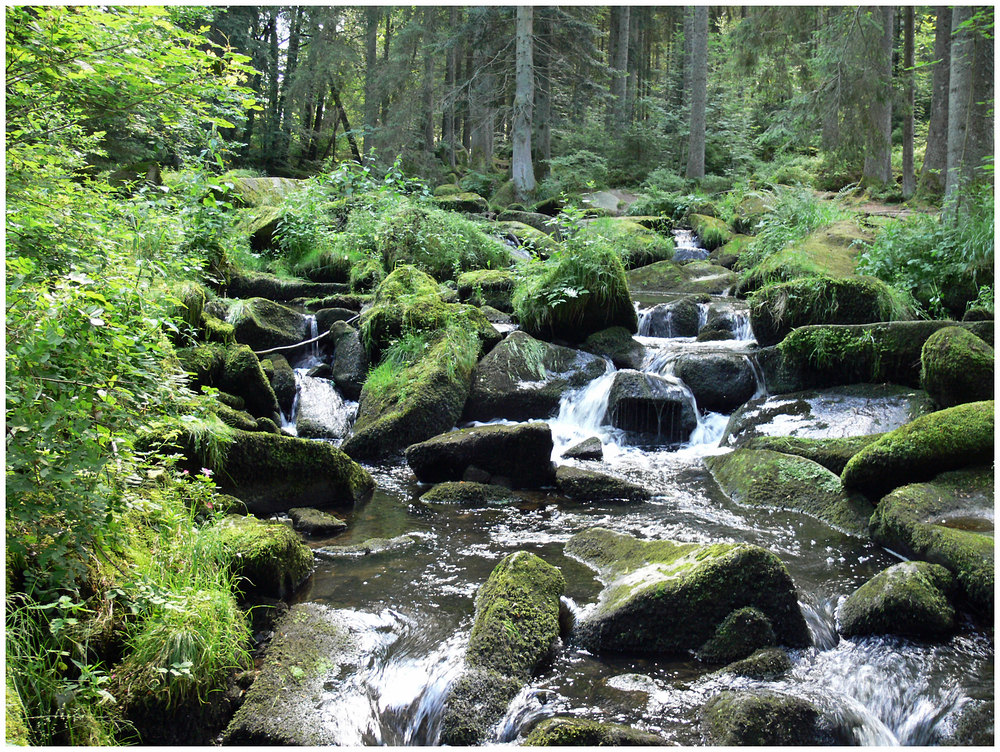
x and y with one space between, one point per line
763 717
662 597
469 493
367 547
910 599
584 732
311 521
588 485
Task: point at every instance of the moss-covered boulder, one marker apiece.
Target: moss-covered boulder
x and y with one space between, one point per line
748 212
583 732
534 240
282 379
909 599
273 473
301 683
571 296
524 378
263 324
519 454
469 493
588 449
761 478
618 345
234 370
830 251
830 355
695 277
956 366
316 522
833 454
492 287
662 597
960 436
636 246
740 635
536 220
763 718
720 381
267 558
468 202
515 630
947 521
711 231
266 191
421 400
766 664
409 301
588 485
246 284
777 309
650 404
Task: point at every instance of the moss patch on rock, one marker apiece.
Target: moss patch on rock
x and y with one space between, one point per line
617 344
695 277
591 486
762 478
956 366
910 598
583 732
711 231
740 634
635 245
267 558
247 284
663 597
312 521
537 240
469 494
949 439
763 718
833 454
492 287
766 664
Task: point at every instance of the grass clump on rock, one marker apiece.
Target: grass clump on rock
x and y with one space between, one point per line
635 245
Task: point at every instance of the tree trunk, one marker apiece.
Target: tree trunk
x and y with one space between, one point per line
699 93
932 174
448 116
632 81
283 109
347 126
430 12
687 62
543 95
524 99
481 110
371 61
467 107
909 180
878 168
970 100
273 123
619 68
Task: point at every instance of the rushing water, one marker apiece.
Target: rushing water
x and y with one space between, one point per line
881 690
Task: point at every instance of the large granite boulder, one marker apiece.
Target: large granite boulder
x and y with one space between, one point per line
282 378
695 277
712 232
524 378
662 597
618 345
518 454
514 633
263 324
910 599
350 360
956 367
947 521
589 485
762 478
234 370
650 404
246 284
740 635
833 454
720 381
492 287
678 318
950 439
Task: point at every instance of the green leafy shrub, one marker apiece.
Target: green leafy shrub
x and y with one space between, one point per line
665 180
575 173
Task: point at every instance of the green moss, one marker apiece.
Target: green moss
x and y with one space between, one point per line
471 203
266 558
617 344
478 700
583 732
711 231
740 634
242 375
634 244
956 366
17 732
767 664
695 277
537 240
366 275
833 454
448 189
929 521
761 478
266 191
213 329
761 718
246 284
469 494
910 598
264 324
949 439
492 287
504 196
668 598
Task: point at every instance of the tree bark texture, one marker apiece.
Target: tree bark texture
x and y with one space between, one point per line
524 101
909 179
878 152
699 93
932 173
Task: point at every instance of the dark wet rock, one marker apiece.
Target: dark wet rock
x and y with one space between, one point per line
244 284
950 439
617 344
492 287
588 449
910 598
524 378
679 318
583 732
327 317
830 355
740 635
841 412
766 664
369 547
714 335
727 314
588 485
974 726
273 473
956 367
282 379
521 453
316 522
662 597
469 494
266 558
777 309
947 521
513 636
833 454
720 381
763 718
650 404
301 683
235 370
761 478
263 324
469 203
350 361
978 313
495 316
320 371
695 277
266 425
236 418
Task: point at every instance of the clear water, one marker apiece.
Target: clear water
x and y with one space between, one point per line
884 691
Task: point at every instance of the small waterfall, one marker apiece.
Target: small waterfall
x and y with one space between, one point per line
702 315
686 246
758 375
741 325
319 410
